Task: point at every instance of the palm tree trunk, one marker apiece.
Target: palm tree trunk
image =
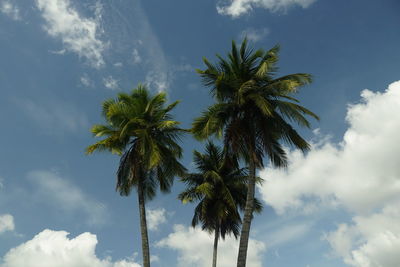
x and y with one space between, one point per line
248 215
143 226
216 237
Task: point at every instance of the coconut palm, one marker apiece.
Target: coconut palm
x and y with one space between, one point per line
253 113
220 188
140 128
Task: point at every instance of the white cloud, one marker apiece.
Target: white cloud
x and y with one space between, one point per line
54 249
86 81
110 83
370 241
79 35
236 8
130 25
59 192
155 217
55 118
287 233
361 174
58 52
184 67
10 9
194 248
6 223
159 81
254 35
136 57
154 258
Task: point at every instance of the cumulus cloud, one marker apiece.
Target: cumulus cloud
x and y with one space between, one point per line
55 117
155 217
369 241
6 223
78 34
58 191
194 248
236 8
110 83
360 174
54 249
10 9
254 35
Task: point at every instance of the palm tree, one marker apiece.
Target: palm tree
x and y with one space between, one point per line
220 188
139 127
253 112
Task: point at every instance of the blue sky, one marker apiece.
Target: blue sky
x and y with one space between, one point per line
336 206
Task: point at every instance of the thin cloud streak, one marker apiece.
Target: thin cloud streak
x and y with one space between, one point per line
62 194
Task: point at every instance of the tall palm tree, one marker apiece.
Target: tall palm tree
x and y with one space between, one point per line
220 187
253 112
140 128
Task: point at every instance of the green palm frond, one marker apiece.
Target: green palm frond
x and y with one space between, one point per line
246 91
219 187
141 129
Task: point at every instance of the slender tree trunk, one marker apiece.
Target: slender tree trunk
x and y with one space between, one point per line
248 215
216 237
143 227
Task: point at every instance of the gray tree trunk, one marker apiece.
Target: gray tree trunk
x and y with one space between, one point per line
143 227
216 237
248 215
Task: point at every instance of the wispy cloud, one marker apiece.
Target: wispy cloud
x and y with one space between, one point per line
55 249
61 193
54 118
78 34
254 35
128 27
236 8
110 83
136 58
287 233
86 81
158 80
6 223
10 9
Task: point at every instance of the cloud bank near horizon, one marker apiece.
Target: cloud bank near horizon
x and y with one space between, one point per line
360 174
54 249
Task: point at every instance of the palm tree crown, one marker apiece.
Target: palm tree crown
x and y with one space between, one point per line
140 129
220 188
253 112
253 107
